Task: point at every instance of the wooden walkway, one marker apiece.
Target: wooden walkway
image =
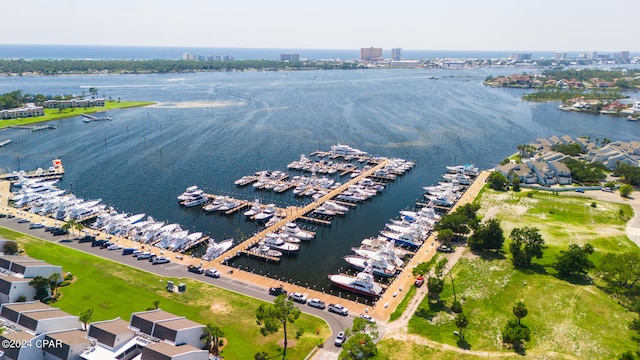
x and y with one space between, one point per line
58 171
293 213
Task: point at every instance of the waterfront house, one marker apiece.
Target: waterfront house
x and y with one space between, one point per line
562 172
27 267
522 170
28 352
112 339
166 351
169 327
544 173
65 345
27 112
13 287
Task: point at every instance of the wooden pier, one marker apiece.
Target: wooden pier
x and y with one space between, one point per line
34 128
242 205
6 142
315 220
58 171
295 213
200 241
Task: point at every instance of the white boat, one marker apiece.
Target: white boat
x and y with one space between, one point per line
266 250
340 149
293 230
275 242
362 283
215 249
190 192
386 251
195 201
379 265
265 214
403 239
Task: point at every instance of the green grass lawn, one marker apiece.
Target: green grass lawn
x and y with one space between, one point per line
55 114
397 313
566 319
116 290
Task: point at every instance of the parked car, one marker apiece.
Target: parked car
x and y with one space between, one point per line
275 291
59 231
87 238
579 190
136 253
298 297
212 273
114 247
419 281
340 338
144 255
99 242
105 245
368 318
607 189
160 260
316 303
445 249
128 251
36 226
195 269
3 215
10 216
338 309
23 220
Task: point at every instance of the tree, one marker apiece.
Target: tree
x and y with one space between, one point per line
435 286
620 269
497 181
461 323
155 306
488 236
626 190
520 311
211 335
42 287
21 298
526 243
93 91
10 248
574 261
358 346
54 278
515 334
454 222
272 316
515 182
86 317
446 236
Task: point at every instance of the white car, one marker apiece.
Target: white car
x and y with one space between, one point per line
212 272
338 309
160 260
316 303
368 318
36 226
340 338
144 255
114 247
298 297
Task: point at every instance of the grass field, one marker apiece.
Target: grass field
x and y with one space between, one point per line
55 114
567 320
116 290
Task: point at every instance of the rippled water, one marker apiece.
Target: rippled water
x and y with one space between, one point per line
212 128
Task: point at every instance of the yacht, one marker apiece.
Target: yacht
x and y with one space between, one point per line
293 230
266 250
379 265
266 214
340 149
403 239
275 242
215 249
190 192
362 283
195 201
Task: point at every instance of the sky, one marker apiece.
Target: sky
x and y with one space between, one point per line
551 25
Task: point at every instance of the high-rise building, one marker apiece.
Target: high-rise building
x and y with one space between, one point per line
290 57
624 55
561 56
592 55
396 54
520 56
371 54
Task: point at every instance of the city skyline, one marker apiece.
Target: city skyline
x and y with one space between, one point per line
565 26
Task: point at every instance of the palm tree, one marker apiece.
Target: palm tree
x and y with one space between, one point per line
520 310
211 334
86 317
55 280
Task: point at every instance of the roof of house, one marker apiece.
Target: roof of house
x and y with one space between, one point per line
27 306
156 315
18 336
70 337
115 326
179 324
47 314
171 350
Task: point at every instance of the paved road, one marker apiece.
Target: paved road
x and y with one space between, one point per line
336 322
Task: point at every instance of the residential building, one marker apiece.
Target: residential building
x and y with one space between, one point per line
112 339
74 103
522 170
166 326
290 57
396 54
26 112
165 351
13 287
521 56
65 345
561 171
371 54
544 173
27 352
28 267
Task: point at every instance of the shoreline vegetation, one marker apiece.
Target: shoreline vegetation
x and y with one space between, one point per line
59 114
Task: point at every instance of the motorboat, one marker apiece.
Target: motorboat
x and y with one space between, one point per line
266 213
190 193
379 265
266 250
195 201
293 230
215 249
362 283
340 149
403 239
386 251
275 242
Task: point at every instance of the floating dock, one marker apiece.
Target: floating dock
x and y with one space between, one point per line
6 142
89 118
34 128
55 172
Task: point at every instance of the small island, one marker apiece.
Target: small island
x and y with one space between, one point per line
18 108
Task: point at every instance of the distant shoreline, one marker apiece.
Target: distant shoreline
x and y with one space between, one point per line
55 114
